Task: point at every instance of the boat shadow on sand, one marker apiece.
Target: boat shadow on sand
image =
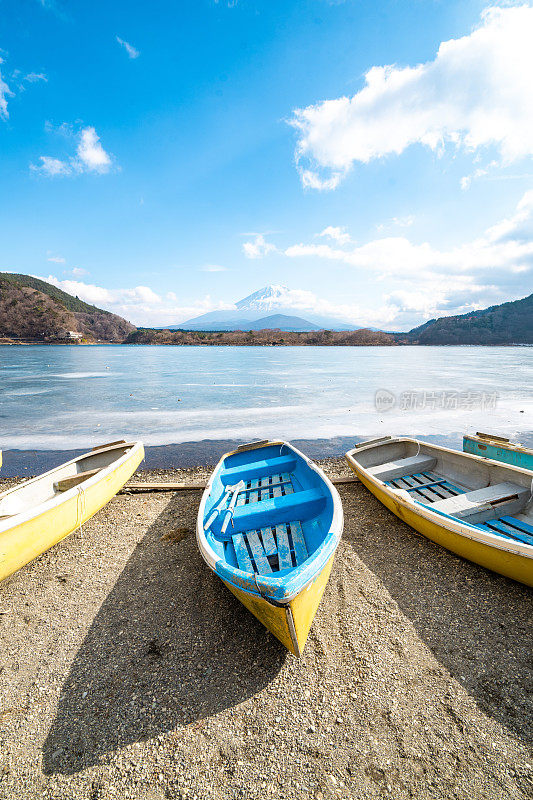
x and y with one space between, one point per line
169 646
476 623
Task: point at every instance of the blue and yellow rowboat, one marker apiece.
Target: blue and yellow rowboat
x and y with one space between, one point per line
268 525
480 509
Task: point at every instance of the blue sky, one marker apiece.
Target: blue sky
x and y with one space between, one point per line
168 159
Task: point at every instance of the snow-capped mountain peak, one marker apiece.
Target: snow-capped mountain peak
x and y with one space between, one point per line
265 299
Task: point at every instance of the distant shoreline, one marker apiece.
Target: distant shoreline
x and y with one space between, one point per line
261 344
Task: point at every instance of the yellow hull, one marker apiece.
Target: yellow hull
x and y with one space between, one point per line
26 541
289 623
511 565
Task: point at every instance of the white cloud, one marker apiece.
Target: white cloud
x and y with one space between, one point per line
141 304
90 156
213 268
20 82
477 93
129 48
432 282
258 247
396 222
5 92
336 233
78 272
56 259
51 167
35 77
312 180
91 153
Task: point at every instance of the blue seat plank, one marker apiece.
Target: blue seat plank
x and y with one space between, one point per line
300 547
298 505
518 523
509 530
425 481
269 542
485 527
259 469
258 553
241 551
284 550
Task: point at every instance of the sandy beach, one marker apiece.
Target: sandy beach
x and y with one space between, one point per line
128 670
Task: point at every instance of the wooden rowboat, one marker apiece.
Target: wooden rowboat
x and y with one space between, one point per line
479 509
487 445
37 514
268 525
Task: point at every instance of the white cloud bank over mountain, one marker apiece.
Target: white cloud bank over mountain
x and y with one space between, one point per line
477 93
429 282
419 281
140 304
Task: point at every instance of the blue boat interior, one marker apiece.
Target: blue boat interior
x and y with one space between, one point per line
282 511
429 487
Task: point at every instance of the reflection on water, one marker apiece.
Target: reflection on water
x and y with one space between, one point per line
70 396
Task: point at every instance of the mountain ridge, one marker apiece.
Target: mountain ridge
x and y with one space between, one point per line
33 309
505 323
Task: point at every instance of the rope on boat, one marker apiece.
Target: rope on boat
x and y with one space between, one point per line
80 508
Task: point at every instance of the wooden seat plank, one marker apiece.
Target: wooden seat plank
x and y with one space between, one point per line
287 488
253 497
300 547
64 484
241 551
258 553
402 467
284 550
269 543
276 491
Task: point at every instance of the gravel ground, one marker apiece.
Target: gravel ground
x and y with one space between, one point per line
128 670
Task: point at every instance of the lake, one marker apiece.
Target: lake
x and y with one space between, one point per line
72 397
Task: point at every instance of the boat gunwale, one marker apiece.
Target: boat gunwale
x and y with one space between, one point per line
62 497
460 528
279 590
512 447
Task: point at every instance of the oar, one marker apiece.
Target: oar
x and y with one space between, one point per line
229 512
216 511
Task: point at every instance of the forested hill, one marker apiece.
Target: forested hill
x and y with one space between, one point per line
508 323
31 309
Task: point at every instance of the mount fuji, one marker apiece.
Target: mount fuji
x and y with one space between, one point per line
275 307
